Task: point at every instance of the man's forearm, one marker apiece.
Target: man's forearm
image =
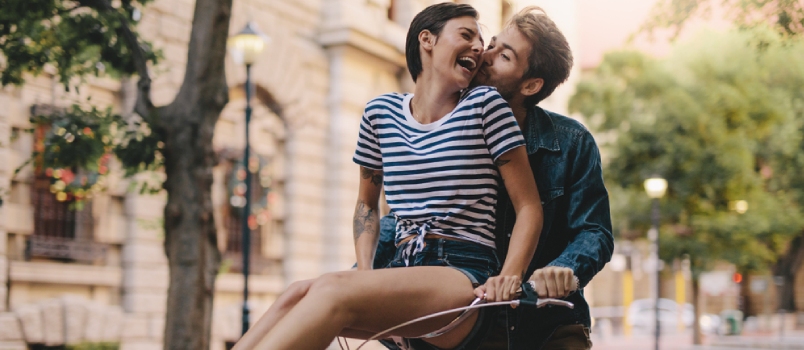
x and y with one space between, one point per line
589 223
586 254
366 228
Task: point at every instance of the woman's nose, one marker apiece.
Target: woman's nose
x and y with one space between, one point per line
477 46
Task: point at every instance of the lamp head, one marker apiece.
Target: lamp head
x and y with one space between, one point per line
655 187
246 46
740 206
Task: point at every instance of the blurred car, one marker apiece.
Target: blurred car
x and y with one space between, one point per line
640 316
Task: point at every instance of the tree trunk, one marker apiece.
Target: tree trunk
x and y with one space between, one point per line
696 326
187 126
787 267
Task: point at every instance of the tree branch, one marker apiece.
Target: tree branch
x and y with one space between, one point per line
144 107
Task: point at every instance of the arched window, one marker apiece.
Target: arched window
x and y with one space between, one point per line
266 220
63 228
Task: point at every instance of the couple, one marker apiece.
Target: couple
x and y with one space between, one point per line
439 154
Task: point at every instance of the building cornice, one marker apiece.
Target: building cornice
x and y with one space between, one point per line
374 45
60 273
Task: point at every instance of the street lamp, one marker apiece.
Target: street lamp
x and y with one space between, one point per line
245 47
740 206
655 187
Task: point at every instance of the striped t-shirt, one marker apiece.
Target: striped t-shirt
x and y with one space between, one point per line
439 178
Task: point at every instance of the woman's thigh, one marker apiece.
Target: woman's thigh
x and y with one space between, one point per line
380 299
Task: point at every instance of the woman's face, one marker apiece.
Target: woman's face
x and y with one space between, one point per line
457 51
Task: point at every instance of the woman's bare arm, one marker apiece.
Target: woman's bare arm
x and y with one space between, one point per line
366 221
515 170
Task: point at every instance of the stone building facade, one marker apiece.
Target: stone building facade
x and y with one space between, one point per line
105 278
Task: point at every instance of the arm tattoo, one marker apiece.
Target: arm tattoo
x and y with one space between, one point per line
374 175
365 220
500 162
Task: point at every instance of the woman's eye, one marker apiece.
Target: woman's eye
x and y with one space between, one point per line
504 56
466 36
490 47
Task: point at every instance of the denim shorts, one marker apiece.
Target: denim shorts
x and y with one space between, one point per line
474 260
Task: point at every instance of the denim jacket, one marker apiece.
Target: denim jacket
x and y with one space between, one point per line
577 224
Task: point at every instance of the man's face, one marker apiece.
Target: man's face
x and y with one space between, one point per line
504 63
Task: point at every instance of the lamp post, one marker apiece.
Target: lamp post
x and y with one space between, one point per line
655 187
245 47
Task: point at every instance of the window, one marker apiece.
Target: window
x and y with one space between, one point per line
268 132
63 230
261 223
233 213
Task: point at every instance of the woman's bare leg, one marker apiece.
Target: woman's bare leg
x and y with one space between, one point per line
286 301
373 301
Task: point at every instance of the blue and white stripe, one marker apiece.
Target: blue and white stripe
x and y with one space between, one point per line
439 178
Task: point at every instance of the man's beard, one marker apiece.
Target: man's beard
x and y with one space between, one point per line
506 89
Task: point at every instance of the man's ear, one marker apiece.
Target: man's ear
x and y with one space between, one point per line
531 86
426 40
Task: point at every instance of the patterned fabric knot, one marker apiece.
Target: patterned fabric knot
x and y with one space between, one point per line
415 245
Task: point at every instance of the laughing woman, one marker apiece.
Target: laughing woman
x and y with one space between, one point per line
439 154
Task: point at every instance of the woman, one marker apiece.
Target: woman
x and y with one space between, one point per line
438 155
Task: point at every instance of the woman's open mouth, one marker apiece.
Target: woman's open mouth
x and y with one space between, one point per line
468 63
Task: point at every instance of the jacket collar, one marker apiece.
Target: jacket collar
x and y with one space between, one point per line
540 131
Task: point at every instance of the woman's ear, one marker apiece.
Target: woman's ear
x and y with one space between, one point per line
531 86
426 40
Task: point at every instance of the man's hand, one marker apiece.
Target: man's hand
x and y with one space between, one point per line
554 281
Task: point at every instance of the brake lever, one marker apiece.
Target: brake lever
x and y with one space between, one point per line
528 297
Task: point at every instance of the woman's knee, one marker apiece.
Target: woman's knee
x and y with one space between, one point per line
333 285
294 293
333 290
299 288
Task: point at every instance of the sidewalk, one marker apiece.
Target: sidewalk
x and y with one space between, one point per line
792 340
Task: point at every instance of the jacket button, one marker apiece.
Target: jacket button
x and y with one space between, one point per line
512 328
542 202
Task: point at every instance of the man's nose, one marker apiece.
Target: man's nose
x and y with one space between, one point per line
485 58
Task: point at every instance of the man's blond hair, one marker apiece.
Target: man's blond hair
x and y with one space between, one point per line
550 56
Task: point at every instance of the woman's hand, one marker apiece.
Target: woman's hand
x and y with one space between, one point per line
499 288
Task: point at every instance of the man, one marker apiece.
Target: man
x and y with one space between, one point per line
526 62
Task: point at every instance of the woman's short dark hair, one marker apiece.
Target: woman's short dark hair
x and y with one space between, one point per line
432 18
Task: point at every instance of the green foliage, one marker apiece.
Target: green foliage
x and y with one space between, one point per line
785 16
77 138
722 120
139 149
77 37
77 144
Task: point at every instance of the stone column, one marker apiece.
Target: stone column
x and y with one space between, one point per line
145 273
10 330
6 171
